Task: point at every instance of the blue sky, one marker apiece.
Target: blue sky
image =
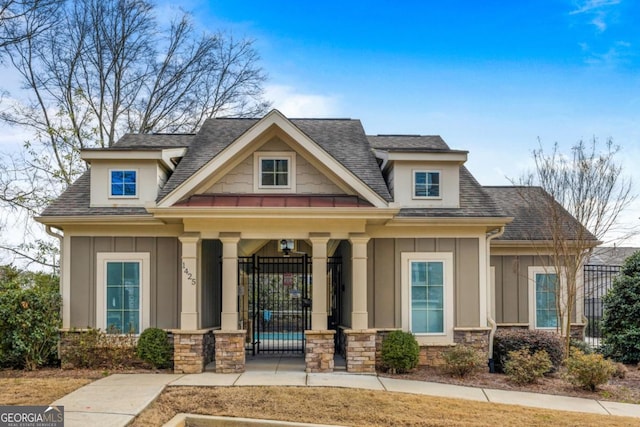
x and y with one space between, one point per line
487 76
491 77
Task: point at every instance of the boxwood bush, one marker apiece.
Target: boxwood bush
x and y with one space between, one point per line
154 348
400 352
508 340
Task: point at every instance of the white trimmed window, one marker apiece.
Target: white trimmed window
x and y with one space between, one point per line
543 297
427 296
274 171
426 185
123 183
123 294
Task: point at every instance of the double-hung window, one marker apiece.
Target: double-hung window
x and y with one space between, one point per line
123 291
427 295
426 184
123 183
123 296
544 292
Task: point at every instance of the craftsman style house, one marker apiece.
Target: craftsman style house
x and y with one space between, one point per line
279 235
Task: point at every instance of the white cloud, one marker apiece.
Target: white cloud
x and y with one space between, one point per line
294 103
593 5
598 9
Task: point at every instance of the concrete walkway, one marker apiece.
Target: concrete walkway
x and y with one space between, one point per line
117 399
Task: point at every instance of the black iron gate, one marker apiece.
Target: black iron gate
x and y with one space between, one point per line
278 302
598 279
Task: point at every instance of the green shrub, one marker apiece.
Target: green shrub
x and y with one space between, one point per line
588 370
508 340
95 349
462 360
29 318
524 367
154 348
400 352
621 316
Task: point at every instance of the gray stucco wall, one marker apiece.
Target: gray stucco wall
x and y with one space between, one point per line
164 271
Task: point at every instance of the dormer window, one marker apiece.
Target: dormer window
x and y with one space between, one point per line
124 183
426 185
275 172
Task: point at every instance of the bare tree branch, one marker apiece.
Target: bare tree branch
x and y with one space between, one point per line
97 69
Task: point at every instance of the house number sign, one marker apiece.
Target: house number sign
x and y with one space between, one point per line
187 273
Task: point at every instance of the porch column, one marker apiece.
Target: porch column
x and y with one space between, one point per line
189 315
319 268
229 281
359 315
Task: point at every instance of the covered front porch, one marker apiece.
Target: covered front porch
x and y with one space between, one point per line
244 295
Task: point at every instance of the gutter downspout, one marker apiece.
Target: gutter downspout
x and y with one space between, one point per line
495 233
60 238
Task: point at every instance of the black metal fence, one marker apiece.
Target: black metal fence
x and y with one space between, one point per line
598 279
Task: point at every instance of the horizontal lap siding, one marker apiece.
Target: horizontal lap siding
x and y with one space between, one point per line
164 259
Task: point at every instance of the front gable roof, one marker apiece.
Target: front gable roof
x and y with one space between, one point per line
339 144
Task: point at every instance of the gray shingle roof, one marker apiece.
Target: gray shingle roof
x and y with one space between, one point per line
607 255
528 207
154 140
343 139
474 202
408 143
75 202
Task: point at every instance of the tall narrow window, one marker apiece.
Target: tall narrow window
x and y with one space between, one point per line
274 172
426 184
427 297
123 296
546 297
124 183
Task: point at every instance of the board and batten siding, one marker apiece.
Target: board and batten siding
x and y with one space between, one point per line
384 278
512 286
164 271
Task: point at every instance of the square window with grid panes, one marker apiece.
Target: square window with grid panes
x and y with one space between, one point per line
274 172
426 184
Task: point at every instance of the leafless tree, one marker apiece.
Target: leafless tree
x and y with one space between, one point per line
22 19
102 68
587 186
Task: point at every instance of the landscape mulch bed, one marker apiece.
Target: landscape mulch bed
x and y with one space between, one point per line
625 390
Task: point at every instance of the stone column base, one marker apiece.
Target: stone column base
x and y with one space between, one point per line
319 351
192 350
477 338
230 357
361 350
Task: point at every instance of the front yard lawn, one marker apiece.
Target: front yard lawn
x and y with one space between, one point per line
352 407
